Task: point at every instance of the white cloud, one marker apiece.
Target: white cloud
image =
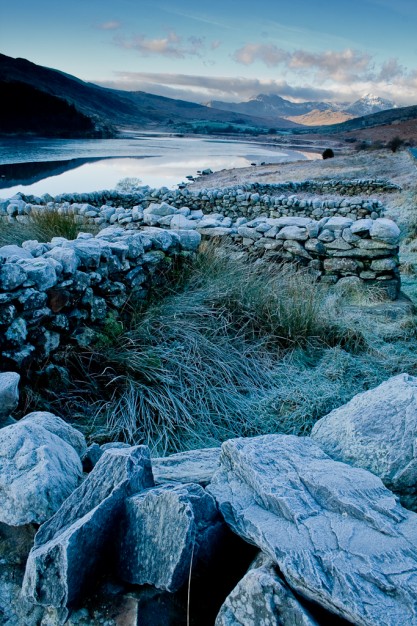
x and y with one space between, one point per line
111 25
203 88
269 54
172 45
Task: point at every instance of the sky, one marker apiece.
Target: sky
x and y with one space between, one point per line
224 50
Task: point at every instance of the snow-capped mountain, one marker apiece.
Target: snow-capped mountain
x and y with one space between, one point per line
369 104
271 106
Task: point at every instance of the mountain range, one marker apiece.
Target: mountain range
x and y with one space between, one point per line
42 101
273 107
106 108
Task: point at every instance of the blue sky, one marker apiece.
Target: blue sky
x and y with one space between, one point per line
224 50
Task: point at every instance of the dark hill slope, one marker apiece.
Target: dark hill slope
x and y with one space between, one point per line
117 107
26 109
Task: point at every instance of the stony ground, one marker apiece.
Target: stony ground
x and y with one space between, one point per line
400 167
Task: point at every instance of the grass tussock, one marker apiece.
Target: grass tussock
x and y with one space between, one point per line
42 225
241 349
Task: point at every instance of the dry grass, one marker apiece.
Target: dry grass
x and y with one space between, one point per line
197 367
42 225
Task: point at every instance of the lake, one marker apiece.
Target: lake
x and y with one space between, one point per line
37 166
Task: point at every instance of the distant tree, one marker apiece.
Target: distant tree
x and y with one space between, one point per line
394 143
328 153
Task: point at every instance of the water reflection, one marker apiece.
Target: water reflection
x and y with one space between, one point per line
12 174
65 166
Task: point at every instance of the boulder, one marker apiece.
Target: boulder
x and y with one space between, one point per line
76 543
165 532
57 426
9 393
192 466
262 597
338 536
377 430
385 230
38 471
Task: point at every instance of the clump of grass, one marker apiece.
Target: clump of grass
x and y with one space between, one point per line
195 368
43 224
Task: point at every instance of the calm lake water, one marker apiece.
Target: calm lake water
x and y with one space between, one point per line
38 166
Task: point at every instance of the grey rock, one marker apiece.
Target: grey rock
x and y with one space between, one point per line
40 272
295 233
338 223
263 598
193 466
72 547
162 554
338 536
220 231
7 252
361 227
384 265
326 236
248 233
338 244
12 275
161 210
66 257
385 230
58 427
189 239
301 222
377 430
17 332
341 265
38 471
9 393
180 222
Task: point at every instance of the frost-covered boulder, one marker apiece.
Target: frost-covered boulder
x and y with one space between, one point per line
262 597
77 542
337 535
377 430
165 532
38 471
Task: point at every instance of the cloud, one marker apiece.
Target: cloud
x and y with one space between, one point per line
172 45
203 88
215 44
339 66
269 54
112 25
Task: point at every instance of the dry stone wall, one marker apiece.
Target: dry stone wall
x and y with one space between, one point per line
249 200
52 293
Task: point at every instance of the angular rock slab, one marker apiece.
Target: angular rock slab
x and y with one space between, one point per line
38 471
262 597
377 430
166 531
338 536
72 545
9 393
192 466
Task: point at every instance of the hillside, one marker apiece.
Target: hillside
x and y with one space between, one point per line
382 118
321 118
28 110
110 107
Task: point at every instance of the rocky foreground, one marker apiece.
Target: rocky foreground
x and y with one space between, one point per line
321 517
